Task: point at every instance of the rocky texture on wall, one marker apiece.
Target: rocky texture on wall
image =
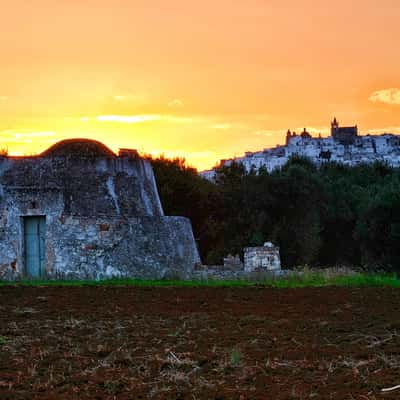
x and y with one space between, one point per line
102 211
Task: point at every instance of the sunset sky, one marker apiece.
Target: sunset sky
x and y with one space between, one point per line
201 79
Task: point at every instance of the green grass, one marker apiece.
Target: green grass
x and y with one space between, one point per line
320 280
304 279
130 282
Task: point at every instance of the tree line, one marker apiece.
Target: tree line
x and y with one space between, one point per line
326 216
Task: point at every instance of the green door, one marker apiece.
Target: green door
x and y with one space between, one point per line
35 246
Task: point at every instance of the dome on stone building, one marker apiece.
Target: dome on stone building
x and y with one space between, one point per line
75 148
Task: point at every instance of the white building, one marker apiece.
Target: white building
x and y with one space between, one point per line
343 146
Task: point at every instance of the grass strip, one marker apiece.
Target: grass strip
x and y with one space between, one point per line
296 280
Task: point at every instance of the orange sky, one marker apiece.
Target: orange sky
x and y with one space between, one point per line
201 79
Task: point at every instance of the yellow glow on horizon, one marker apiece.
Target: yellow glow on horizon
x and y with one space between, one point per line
201 80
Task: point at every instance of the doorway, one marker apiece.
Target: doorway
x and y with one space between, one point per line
35 246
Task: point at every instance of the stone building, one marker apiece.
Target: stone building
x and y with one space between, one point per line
79 211
263 258
343 134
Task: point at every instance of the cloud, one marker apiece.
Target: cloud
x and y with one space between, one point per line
386 96
179 120
137 119
3 98
23 134
265 132
126 97
129 119
229 126
119 98
175 103
222 126
18 136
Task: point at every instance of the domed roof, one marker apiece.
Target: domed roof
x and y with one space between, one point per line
77 148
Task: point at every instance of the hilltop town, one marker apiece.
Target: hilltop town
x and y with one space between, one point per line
344 145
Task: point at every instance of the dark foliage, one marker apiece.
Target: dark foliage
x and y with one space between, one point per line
333 215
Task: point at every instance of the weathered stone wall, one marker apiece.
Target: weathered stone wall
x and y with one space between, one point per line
261 258
145 247
15 203
103 219
100 247
215 273
232 263
91 248
89 186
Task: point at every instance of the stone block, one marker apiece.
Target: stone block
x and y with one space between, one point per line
262 258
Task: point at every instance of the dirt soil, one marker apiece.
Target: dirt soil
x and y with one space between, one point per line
205 343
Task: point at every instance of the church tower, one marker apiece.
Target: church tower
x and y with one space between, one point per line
344 134
288 136
334 127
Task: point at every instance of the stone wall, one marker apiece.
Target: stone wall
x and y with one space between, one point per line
89 186
225 275
99 248
151 248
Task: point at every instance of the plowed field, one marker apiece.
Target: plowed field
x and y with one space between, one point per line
200 343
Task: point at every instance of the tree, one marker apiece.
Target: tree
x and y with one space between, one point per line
379 229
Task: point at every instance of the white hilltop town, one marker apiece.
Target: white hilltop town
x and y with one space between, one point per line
344 145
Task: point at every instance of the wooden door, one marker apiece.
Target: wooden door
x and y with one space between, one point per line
35 246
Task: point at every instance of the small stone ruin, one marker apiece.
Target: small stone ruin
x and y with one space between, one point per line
263 258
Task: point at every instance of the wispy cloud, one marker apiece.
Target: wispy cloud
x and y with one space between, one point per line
137 119
125 97
129 119
180 120
265 132
176 103
386 96
119 98
3 98
224 126
22 134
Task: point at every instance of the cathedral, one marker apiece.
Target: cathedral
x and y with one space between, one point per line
343 134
